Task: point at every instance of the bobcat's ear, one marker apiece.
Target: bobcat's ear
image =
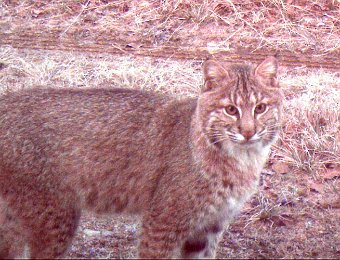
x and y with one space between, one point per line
213 72
267 69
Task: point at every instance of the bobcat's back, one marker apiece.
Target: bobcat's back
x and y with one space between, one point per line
109 145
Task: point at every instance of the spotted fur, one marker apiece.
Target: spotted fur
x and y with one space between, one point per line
185 167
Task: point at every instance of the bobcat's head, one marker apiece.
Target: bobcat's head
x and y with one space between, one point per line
240 105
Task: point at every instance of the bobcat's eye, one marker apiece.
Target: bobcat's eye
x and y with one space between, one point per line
260 108
230 110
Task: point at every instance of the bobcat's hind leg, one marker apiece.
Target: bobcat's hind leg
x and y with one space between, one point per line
12 240
47 219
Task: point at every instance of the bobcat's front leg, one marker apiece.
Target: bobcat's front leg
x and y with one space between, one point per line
203 244
158 238
165 225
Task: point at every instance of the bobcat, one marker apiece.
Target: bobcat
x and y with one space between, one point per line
185 166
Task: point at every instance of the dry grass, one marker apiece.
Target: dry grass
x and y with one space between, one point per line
60 69
294 25
311 136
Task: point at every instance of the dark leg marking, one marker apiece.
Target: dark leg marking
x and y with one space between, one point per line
194 246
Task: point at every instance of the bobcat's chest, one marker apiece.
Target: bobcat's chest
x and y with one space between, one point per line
252 157
235 202
228 202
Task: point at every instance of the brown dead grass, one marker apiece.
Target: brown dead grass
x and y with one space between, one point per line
310 140
296 25
60 69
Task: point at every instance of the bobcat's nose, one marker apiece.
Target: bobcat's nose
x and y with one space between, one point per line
247 127
248 133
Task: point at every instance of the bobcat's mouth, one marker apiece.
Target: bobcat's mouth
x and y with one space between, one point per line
240 139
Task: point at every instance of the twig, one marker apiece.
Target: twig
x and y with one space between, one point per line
76 18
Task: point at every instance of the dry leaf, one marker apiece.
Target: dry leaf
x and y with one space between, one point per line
331 173
331 203
282 220
317 187
281 167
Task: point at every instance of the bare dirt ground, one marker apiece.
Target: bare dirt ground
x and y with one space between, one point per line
160 45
